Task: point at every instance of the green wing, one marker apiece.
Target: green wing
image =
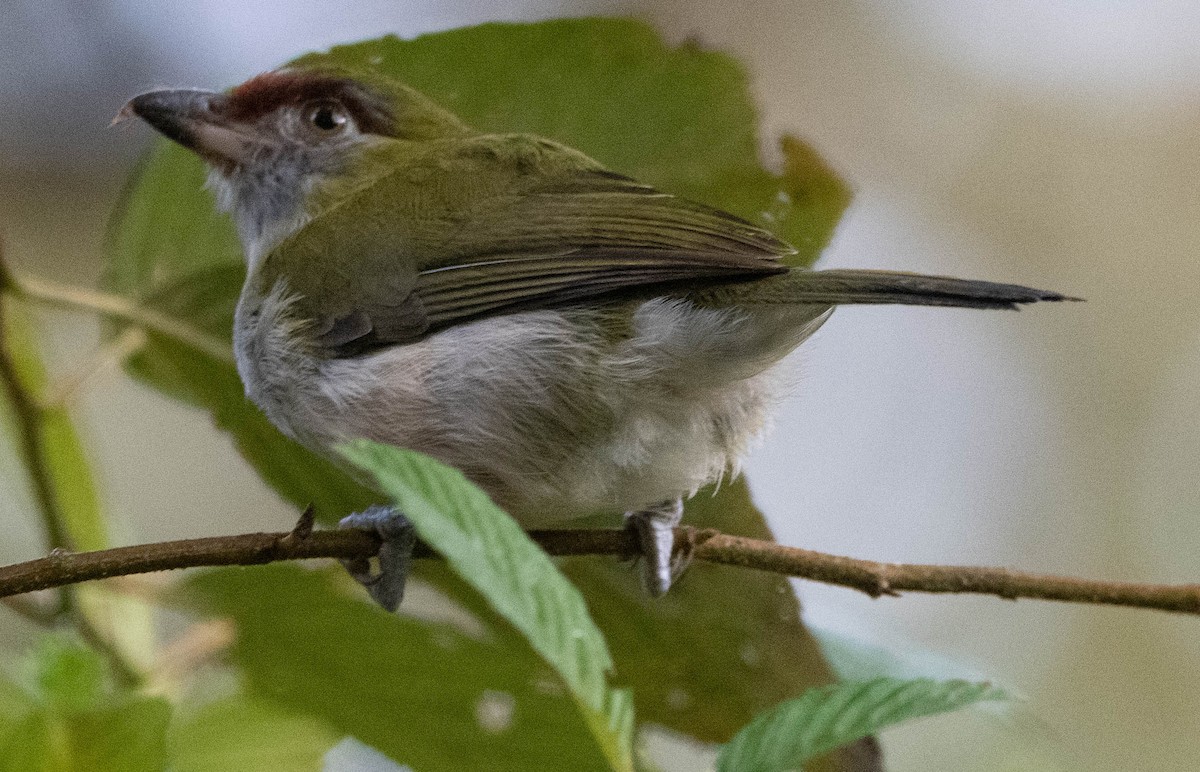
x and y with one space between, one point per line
494 224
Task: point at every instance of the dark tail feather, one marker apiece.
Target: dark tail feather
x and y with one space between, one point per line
846 286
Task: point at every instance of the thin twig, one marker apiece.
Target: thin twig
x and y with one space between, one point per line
873 578
117 307
30 609
111 355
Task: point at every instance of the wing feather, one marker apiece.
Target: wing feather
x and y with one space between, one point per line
501 224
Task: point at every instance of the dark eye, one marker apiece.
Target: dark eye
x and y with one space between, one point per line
326 116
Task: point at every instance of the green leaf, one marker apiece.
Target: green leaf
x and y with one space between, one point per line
74 501
822 719
75 721
487 548
125 737
249 735
726 643
67 675
16 704
678 117
71 479
426 694
35 744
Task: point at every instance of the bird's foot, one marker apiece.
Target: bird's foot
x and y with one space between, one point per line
655 529
386 585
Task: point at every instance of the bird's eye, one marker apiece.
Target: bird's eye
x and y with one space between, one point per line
327 117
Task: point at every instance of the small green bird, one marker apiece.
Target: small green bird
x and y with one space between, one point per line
573 340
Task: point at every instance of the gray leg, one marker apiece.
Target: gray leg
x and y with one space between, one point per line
395 554
655 531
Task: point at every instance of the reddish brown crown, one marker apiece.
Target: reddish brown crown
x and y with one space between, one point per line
269 91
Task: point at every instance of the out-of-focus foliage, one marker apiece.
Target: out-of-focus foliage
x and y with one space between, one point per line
62 712
65 715
242 733
427 694
69 498
746 647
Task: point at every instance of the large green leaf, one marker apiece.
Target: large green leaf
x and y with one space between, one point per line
489 551
680 118
426 694
822 719
249 735
726 644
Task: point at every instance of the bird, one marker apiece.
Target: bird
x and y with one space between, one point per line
575 341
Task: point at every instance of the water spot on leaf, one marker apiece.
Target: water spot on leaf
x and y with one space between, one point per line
678 699
494 711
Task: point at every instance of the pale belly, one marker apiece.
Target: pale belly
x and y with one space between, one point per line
557 414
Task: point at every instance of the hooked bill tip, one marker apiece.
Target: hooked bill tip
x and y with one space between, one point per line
124 114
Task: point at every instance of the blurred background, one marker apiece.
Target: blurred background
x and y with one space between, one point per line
1054 144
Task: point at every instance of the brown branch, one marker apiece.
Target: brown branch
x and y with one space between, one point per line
875 579
64 568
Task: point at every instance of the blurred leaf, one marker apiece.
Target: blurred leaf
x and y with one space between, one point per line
68 676
126 737
854 659
76 721
746 646
724 645
166 226
248 735
72 488
35 744
787 736
425 694
15 704
816 197
490 552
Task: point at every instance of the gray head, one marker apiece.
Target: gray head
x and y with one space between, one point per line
272 140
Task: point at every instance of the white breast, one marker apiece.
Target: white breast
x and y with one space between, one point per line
553 412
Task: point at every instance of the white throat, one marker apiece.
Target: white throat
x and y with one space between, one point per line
266 208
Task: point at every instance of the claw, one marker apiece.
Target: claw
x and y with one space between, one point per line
386 586
655 529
